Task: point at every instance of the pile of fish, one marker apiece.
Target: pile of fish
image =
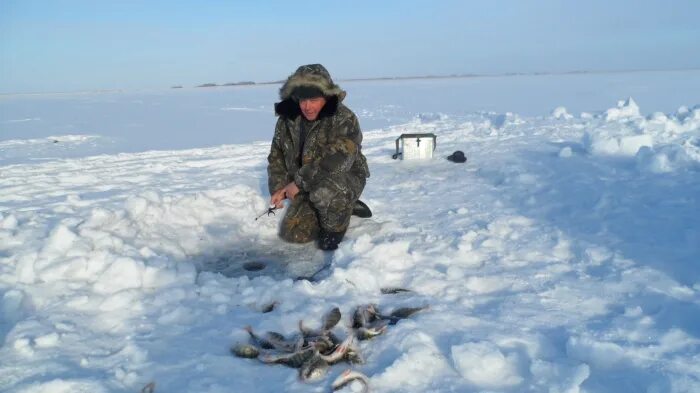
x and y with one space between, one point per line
313 352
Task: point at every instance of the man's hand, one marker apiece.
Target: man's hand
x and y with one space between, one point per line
277 198
289 191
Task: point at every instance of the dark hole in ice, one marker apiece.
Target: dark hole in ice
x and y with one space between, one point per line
278 262
253 266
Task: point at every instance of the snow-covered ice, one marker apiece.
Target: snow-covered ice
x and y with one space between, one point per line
562 257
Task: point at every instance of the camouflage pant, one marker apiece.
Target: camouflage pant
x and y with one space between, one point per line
329 206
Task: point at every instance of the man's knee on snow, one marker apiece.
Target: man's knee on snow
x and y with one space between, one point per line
334 207
300 224
299 229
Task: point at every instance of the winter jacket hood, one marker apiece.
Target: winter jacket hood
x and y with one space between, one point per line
310 75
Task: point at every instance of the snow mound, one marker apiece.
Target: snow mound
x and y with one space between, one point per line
560 377
625 110
679 135
484 365
561 113
502 120
566 152
600 142
673 126
659 143
663 159
415 368
603 355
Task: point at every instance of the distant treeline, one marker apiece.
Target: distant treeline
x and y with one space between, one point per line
389 78
243 83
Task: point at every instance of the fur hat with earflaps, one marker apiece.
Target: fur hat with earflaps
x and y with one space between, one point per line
307 81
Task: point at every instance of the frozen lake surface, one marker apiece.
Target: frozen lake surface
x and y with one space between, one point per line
114 122
562 257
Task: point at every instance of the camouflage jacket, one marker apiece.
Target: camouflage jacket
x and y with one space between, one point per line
333 142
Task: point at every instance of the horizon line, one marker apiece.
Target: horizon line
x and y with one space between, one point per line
366 79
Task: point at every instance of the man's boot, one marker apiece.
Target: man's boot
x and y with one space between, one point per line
328 241
360 209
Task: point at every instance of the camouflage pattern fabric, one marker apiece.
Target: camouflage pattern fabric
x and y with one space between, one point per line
300 224
331 170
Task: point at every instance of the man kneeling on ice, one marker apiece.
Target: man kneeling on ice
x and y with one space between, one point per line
315 159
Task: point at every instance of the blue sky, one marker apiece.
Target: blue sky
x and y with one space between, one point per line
83 45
